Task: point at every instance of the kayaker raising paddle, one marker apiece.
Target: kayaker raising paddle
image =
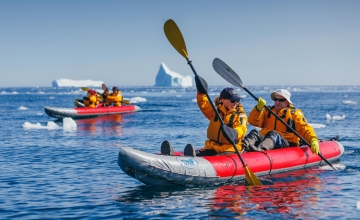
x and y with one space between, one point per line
232 113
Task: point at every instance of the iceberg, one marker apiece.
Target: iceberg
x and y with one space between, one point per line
76 83
166 77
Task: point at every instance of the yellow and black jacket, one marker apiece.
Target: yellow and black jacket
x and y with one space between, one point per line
293 117
234 118
115 99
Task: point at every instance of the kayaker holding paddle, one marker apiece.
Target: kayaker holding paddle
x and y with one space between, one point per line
115 98
274 134
232 113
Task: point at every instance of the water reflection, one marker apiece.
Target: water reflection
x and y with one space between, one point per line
103 125
292 194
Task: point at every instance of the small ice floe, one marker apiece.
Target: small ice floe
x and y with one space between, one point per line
358 205
3 92
178 96
68 124
137 99
143 92
242 96
51 97
317 125
22 108
194 100
336 166
39 113
348 102
335 118
14 93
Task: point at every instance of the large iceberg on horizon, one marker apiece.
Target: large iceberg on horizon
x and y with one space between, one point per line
166 77
76 83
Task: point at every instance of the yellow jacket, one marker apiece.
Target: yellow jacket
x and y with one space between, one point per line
292 116
114 98
217 141
91 100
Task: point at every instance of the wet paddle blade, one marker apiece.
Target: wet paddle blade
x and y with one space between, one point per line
227 73
85 88
251 178
174 36
126 102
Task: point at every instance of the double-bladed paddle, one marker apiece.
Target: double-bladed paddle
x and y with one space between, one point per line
229 75
176 39
123 101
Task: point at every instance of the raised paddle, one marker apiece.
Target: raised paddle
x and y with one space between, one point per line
229 75
176 39
123 101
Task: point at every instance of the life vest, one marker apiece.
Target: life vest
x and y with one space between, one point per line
234 118
292 116
115 99
91 100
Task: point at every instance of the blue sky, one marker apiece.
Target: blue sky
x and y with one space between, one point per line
308 42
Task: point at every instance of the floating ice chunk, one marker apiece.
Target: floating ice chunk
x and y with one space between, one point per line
137 99
358 205
52 125
69 124
22 108
349 102
28 125
328 117
337 118
318 125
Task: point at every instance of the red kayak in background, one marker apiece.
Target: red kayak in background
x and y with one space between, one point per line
86 112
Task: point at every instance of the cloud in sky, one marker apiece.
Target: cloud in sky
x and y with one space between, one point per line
123 42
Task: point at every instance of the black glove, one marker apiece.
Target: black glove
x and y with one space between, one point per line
201 84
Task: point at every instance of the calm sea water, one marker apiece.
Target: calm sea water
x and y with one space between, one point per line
56 173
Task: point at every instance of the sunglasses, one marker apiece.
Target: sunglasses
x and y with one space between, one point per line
280 100
235 101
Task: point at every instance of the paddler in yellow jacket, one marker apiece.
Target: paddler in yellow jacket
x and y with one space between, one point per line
230 109
91 100
115 98
274 134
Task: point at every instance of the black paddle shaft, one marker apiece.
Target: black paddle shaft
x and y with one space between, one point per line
293 130
223 126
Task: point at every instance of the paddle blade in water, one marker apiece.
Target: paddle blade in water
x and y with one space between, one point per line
174 36
251 178
227 73
85 88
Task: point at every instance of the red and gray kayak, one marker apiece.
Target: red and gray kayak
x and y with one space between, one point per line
89 112
162 170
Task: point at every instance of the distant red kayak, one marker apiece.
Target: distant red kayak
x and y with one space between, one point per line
89 112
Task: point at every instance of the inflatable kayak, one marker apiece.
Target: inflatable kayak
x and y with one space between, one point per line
162 170
89 112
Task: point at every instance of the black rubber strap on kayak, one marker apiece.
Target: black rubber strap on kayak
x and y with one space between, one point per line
264 152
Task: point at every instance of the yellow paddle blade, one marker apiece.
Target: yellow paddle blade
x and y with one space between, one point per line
251 178
126 102
174 36
85 88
